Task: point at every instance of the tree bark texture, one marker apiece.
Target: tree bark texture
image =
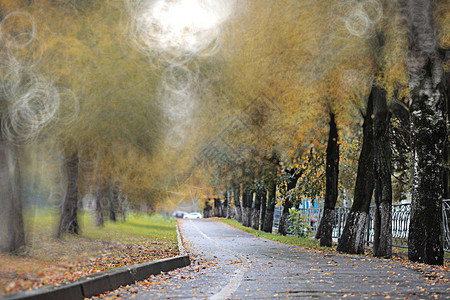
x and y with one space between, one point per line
382 244
263 208
69 221
256 210
331 185
428 134
250 204
244 207
226 204
247 199
353 236
283 226
446 146
237 204
113 203
12 233
270 207
217 207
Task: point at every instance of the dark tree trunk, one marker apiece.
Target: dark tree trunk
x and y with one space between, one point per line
247 199
446 146
263 208
207 210
225 204
244 207
237 203
256 210
428 134
382 244
331 186
217 207
283 226
353 236
69 220
270 207
12 233
249 207
112 211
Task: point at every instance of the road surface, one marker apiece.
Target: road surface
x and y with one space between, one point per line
228 263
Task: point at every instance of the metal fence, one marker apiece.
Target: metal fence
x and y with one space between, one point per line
400 222
446 221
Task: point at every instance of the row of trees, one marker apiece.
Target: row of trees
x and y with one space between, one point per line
375 72
301 98
81 116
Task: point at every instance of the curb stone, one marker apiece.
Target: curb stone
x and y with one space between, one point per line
181 248
102 282
110 280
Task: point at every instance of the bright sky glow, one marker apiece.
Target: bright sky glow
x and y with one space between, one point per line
190 26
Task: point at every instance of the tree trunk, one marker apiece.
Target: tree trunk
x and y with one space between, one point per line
69 220
331 186
101 193
217 209
263 208
382 244
221 208
249 207
207 210
283 226
225 204
244 207
256 210
270 207
99 221
12 233
353 236
428 134
446 146
237 203
247 196
112 203
230 214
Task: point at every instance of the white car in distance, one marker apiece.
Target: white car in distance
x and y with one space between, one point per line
193 215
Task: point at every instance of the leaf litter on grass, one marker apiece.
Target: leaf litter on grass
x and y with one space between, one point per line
50 261
24 273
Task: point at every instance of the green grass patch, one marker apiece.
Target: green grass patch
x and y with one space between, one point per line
307 242
154 226
154 231
48 260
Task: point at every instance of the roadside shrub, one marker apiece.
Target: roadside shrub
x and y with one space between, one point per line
299 225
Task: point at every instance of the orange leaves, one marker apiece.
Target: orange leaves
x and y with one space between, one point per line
115 255
146 283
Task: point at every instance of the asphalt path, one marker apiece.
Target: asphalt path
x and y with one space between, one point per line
228 263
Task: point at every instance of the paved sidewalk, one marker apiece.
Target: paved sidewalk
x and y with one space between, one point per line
230 263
